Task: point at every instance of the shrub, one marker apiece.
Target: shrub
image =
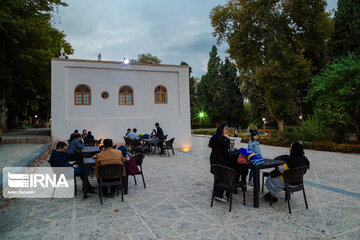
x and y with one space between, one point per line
311 129
289 133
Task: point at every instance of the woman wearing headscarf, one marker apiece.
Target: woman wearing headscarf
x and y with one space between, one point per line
275 182
220 145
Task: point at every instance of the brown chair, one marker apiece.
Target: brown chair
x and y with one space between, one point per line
294 181
111 171
267 174
224 179
168 146
139 158
135 146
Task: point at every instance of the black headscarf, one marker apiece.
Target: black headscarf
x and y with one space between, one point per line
219 131
297 158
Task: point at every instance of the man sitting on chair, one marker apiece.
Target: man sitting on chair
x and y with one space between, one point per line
109 156
133 135
58 158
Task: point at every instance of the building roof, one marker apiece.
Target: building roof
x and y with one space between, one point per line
117 62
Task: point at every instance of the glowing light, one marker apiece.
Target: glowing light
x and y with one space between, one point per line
126 61
35 116
263 119
186 149
202 115
300 117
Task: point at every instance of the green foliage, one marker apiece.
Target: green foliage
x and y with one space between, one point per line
335 93
289 133
28 42
218 92
148 58
311 129
276 45
346 37
192 90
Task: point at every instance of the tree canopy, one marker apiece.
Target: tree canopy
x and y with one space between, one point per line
28 42
335 92
148 58
346 37
275 43
218 92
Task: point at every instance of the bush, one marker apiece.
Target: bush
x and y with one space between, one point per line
289 133
311 129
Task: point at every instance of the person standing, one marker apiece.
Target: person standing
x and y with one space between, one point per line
254 145
220 146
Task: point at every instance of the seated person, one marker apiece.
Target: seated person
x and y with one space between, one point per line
74 149
240 170
88 137
128 131
109 156
275 182
158 132
58 158
84 134
133 135
72 136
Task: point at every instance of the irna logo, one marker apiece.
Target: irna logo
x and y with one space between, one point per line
36 180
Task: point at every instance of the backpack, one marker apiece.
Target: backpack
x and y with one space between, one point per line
132 166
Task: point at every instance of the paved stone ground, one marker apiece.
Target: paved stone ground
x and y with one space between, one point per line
176 205
11 154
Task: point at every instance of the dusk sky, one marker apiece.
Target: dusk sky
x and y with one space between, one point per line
172 30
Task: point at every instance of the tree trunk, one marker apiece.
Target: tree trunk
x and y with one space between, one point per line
3 124
281 124
357 129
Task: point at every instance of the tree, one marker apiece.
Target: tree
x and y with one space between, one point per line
335 93
264 35
205 90
346 37
28 43
148 58
192 90
218 92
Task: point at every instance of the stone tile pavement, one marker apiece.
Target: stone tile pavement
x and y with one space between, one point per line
176 205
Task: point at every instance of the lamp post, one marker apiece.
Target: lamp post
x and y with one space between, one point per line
264 120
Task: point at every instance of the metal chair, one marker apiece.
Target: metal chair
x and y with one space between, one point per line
294 181
113 171
224 179
139 158
168 146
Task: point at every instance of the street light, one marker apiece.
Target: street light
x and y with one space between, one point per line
126 61
300 117
264 120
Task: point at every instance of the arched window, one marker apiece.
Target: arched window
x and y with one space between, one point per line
160 95
126 95
82 95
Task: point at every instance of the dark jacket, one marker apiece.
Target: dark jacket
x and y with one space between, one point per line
88 138
159 133
219 149
58 159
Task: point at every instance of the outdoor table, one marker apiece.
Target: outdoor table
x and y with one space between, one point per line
151 142
89 151
269 163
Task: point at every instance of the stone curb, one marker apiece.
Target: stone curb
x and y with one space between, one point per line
36 155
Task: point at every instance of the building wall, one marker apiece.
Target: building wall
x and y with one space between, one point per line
105 117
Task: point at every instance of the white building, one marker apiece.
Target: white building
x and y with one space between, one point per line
109 97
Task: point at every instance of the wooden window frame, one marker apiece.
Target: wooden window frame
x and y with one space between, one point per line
82 95
125 95
160 95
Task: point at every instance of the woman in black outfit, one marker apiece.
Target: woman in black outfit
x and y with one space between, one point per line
220 145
